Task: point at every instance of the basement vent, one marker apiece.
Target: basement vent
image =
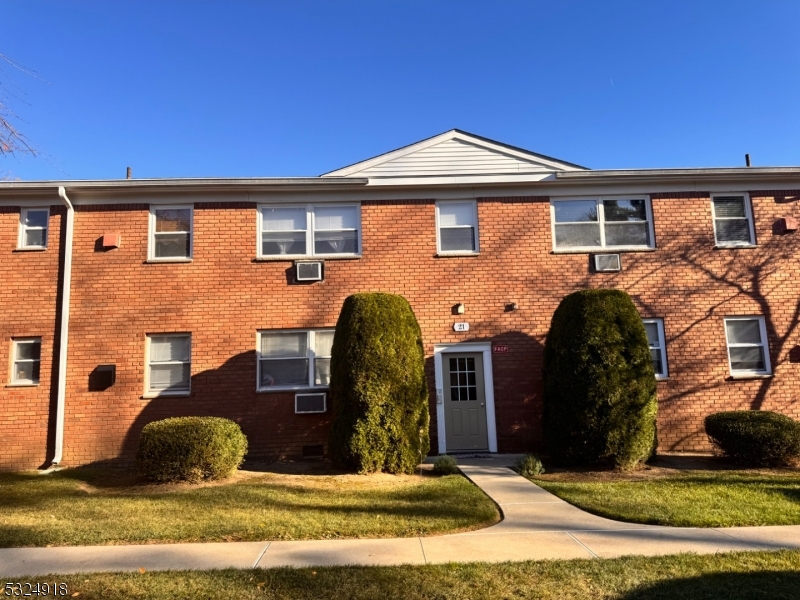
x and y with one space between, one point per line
309 271
604 263
309 403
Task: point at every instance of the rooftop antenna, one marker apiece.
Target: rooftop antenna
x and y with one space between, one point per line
747 159
129 175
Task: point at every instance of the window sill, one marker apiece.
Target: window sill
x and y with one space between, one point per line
660 379
306 389
22 385
734 246
150 396
36 249
745 376
152 261
455 254
322 257
601 250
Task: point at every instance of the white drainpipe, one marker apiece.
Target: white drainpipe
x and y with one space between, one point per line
62 354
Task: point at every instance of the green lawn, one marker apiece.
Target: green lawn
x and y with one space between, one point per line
746 575
93 506
686 499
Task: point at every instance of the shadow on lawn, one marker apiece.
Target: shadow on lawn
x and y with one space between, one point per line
775 585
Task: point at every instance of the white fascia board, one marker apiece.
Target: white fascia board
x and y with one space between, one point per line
453 134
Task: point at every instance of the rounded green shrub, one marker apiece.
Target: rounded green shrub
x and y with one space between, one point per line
599 385
378 388
529 466
445 465
755 437
190 449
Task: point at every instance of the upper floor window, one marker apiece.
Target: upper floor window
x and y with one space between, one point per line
733 221
457 227
747 346
310 230
170 232
27 356
33 224
294 359
588 224
655 338
169 365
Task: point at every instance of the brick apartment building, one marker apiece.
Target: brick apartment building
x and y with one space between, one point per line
182 297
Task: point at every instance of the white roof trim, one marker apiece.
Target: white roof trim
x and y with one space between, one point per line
454 134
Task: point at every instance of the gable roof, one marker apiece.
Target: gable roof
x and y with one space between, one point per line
455 152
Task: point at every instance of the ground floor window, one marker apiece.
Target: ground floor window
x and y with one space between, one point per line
27 355
294 359
169 365
658 352
747 346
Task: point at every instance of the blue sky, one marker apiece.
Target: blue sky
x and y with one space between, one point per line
184 89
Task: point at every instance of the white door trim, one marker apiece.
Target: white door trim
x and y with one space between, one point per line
488 381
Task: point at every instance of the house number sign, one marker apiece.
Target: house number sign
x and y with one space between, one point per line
460 326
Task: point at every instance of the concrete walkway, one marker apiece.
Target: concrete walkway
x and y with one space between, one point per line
536 525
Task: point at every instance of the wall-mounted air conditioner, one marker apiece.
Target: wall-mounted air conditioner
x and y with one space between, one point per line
309 403
607 263
308 271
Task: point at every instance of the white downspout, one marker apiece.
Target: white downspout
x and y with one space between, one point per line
62 354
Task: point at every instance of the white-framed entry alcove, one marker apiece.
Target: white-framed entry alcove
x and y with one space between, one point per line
440 354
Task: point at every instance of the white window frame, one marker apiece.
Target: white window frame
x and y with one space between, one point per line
748 213
311 356
648 208
662 345
310 229
151 238
477 249
148 393
21 245
15 342
764 345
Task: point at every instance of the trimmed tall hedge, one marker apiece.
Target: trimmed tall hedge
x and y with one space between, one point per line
190 449
599 386
758 438
378 387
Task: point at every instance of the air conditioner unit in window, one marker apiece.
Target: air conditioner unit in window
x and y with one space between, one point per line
308 271
605 263
309 403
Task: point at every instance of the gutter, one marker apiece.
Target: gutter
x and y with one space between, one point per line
64 337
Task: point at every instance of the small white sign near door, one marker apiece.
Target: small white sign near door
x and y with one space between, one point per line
460 326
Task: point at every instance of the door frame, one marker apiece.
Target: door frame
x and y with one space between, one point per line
488 382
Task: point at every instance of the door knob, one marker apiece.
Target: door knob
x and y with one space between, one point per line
481 403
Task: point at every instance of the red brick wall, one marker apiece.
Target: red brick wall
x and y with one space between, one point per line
28 304
224 296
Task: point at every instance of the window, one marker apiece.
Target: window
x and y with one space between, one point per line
457 227
733 223
747 346
658 354
294 359
27 357
170 232
169 366
602 223
327 230
33 228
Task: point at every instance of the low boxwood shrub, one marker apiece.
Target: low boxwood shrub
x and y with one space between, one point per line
599 385
378 389
190 449
445 465
755 437
529 466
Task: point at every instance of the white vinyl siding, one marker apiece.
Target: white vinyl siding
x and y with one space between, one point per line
748 353
33 226
26 361
290 360
309 230
457 227
170 233
658 352
733 220
169 365
586 224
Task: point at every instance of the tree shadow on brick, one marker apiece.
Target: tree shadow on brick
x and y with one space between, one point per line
268 419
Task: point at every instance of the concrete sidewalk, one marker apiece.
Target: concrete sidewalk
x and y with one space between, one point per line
536 525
